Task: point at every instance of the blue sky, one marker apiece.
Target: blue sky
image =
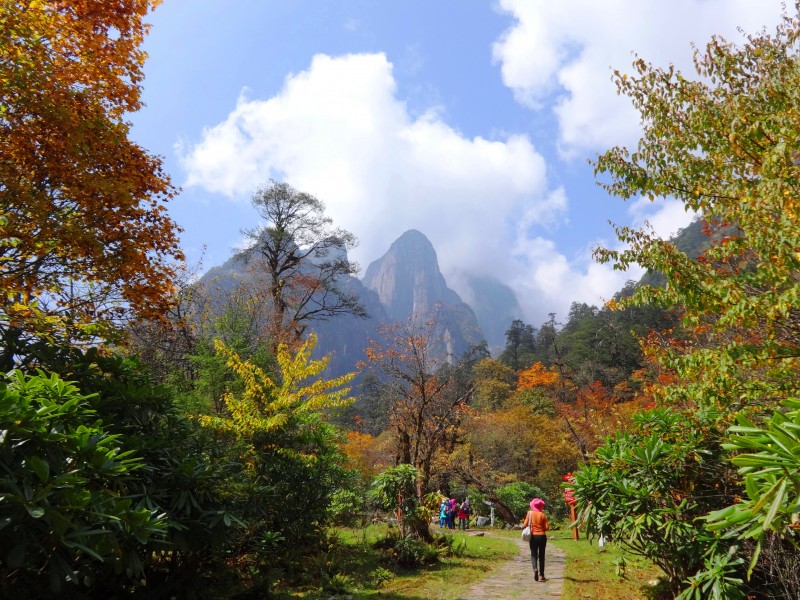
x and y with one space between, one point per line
470 121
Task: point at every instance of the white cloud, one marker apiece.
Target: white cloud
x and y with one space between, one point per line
560 55
552 282
338 130
666 217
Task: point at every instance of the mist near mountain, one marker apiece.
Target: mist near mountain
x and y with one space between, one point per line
405 286
495 305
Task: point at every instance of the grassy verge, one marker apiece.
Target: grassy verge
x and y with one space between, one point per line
355 569
603 573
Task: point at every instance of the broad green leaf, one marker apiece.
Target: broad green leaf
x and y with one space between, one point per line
40 467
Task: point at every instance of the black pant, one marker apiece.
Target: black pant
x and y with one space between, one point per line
538 544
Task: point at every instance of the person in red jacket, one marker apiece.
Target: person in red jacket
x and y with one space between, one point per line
537 521
463 514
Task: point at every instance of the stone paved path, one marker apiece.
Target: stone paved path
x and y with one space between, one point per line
514 579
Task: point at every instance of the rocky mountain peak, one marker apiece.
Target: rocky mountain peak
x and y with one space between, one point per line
407 278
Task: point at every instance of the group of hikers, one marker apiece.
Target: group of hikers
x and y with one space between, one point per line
450 510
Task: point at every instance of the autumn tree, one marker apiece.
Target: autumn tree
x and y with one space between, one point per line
725 144
494 383
588 411
516 444
84 234
276 427
426 401
303 258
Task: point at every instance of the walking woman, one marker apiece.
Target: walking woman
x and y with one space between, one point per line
537 521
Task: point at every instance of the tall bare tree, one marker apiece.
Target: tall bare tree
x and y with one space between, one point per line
427 397
304 259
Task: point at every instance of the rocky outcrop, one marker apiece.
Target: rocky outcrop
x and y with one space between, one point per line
410 286
407 278
405 285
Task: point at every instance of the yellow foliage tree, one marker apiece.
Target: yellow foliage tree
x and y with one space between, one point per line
270 407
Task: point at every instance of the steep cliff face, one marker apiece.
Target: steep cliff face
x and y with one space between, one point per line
345 336
410 286
407 278
405 285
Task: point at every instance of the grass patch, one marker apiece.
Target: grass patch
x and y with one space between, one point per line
595 573
355 569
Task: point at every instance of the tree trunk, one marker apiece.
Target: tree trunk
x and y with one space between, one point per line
503 511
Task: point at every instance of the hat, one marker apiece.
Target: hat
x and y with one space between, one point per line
537 504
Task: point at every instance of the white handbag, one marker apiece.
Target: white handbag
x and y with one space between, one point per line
526 534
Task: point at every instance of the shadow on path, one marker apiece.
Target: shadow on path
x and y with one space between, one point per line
514 579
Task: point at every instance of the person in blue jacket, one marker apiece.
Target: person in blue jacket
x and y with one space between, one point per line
443 514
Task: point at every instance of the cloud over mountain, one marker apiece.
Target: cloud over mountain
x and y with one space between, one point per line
340 131
561 55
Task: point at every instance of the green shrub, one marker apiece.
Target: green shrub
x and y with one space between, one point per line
346 506
450 545
338 584
379 576
411 552
183 473
517 496
66 510
648 488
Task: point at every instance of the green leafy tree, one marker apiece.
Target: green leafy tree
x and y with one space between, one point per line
725 145
602 344
397 489
276 427
520 347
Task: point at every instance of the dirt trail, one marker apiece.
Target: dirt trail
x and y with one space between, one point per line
514 579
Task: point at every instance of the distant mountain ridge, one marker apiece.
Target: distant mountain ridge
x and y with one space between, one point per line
404 285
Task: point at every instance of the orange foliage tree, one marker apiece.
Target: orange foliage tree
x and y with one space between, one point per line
365 454
589 411
515 444
84 233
